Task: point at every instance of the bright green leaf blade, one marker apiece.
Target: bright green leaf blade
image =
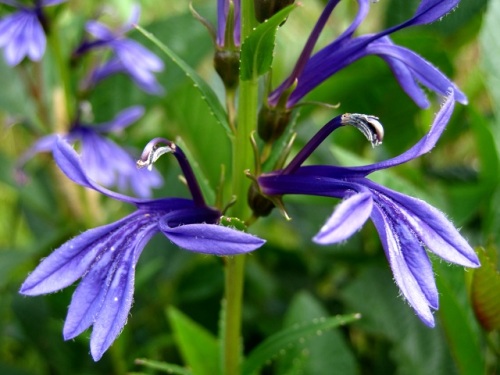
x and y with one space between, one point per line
291 336
257 49
163 366
463 342
317 355
485 291
198 347
206 91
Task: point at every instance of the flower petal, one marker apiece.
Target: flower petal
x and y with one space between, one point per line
122 120
432 10
70 261
423 146
70 163
118 300
434 229
404 277
206 238
348 217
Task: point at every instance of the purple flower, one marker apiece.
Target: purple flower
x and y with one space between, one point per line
405 225
225 29
104 161
22 33
129 57
105 257
409 68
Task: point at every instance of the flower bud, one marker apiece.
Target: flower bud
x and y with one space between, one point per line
227 65
260 205
272 122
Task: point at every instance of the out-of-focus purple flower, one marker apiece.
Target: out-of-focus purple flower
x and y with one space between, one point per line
22 33
405 225
104 161
228 34
409 68
130 57
105 257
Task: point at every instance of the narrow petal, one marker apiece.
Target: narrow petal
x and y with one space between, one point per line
116 306
47 3
122 120
99 31
70 261
432 10
423 146
206 238
402 274
434 229
43 144
410 246
70 163
348 217
222 11
35 39
427 74
88 299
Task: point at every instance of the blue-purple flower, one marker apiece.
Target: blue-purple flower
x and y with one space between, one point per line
129 56
228 34
410 69
405 225
105 257
104 161
22 33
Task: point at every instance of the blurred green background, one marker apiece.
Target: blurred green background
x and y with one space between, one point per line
291 279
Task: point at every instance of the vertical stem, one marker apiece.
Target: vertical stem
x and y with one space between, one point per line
246 122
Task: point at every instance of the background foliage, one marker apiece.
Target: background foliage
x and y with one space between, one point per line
290 280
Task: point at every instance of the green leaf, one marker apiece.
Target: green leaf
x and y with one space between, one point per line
410 346
485 290
163 366
198 347
207 94
463 342
490 44
320 354
289 337
257 49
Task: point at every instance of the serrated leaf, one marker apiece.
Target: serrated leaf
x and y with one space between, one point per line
206 91
163 366
485 291
257 50
198 347
289 337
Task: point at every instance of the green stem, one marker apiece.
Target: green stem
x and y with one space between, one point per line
246 123
64 76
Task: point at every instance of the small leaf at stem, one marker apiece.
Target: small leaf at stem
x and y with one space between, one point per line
257 50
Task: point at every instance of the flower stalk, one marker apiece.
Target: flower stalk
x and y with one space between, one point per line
242 157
